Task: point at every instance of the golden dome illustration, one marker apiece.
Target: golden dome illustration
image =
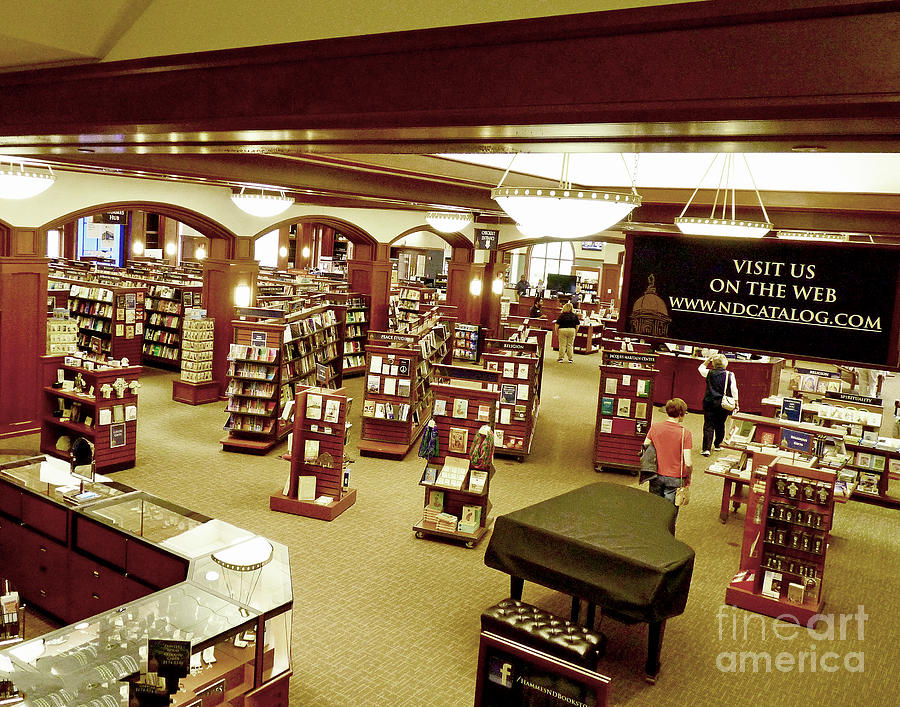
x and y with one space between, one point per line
649 315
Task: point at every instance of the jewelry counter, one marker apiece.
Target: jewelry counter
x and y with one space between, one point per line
222 588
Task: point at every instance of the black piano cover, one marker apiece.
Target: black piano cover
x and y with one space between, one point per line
609 544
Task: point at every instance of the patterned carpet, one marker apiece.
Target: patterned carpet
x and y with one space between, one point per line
383 618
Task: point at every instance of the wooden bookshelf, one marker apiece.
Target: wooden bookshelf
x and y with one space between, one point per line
320 432
460 410
468 341
85 407
519 398
624 409
196 385
786 534
164 310
110 319
398 374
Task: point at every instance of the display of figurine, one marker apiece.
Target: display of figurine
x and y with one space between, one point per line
106 390
133 386
120 385
79 382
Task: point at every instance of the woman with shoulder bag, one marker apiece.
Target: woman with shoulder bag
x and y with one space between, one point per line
719 401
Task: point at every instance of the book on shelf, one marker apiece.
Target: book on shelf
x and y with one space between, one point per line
380 411
607 406
508 393
332 410
623 408
440 406
458 440
484 413
311 451
611 386
505 415
460 407
373 384
306 488
454 472
313 406
477 480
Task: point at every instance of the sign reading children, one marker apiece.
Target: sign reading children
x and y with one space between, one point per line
821 300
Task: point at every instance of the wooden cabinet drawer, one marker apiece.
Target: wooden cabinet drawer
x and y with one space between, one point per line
154 566
100 541
14 562
94 587
45 581
45 516
10 500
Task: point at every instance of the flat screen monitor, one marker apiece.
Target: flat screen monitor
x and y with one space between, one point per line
562 283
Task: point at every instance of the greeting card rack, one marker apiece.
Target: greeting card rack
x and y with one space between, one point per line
110 319
519 369
164 309
317 486
356 331
464 401
624 409
97 404
398 396
789 516
196 385
467 342
876 465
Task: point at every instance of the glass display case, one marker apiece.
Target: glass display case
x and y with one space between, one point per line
146 516
49 477
85 664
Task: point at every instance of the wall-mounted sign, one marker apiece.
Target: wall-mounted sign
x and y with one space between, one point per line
487 238
819 300
258 338
591 245
114 217
117 435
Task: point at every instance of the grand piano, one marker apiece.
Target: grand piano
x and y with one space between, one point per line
610 545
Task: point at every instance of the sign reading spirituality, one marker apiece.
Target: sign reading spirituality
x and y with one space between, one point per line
819 300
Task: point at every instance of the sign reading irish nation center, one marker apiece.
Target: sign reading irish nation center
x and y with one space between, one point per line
818 300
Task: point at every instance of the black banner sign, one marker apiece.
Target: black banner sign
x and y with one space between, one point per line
110 217
387 336
851 398
820 300
487 238
611 356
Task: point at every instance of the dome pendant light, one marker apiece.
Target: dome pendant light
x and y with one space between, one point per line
723 226
262 205
17 182
564 212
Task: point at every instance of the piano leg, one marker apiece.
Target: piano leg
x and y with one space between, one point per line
654 648
516 585
591 613
576 610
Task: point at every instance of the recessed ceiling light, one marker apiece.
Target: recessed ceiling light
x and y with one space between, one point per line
86 149
808 148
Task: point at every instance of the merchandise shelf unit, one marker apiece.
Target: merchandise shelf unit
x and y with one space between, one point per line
756 438
164 310
282 353
82 400
624 409
356 329
875 467
789 516
460 410
413 300
519 367
196 385
110 319
317 457
467 342
254 423
398 396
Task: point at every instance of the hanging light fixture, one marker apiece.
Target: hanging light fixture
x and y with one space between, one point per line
19 182
722 225
564 212
262 204
448 221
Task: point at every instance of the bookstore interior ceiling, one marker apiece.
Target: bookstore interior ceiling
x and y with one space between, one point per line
827 164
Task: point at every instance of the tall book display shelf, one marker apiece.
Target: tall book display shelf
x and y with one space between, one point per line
519 367
164 310
110 319
789 515
398 395
624 409
457 504
356 332
268 360
196 385
318 484
413 300
81 399
467 342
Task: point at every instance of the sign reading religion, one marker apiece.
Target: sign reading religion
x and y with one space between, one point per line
818 300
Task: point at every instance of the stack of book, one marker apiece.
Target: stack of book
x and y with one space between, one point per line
447 522
435 507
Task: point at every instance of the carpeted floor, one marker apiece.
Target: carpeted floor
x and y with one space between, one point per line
383 618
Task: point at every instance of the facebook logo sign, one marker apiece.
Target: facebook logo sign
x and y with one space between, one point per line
501 672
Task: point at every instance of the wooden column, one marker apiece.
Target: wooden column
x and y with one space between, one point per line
369 272
460 271
305 239
220 277
490 301
23 329
70 240
137 233
168 237
284 241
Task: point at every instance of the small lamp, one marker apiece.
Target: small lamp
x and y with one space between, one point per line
242 296
475 286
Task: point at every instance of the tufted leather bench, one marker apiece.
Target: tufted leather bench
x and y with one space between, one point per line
538 629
